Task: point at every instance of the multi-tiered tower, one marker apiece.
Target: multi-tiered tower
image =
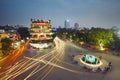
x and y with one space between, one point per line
40 31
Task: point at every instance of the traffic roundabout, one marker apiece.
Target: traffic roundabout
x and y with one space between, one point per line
91 62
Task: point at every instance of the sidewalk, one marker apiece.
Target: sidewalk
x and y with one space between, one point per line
110 52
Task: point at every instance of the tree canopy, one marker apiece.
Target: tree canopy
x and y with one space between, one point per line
101 36
6 45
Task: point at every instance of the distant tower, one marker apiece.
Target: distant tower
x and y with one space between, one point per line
115 28
118 33
67 24
76 26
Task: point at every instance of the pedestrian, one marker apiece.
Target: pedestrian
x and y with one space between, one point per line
110 64
71 56
98 69
100 57
105 70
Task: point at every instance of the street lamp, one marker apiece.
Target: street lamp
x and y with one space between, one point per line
101 47
27 38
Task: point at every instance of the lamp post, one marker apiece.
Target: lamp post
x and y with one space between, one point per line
101 46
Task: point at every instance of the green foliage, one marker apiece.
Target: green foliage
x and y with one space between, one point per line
95 36
6 45
101 36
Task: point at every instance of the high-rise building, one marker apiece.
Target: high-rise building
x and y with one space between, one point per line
67 24
76 26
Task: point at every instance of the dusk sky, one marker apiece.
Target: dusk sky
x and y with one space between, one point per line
88 13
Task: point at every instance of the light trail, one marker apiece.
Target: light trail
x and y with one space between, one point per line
50 63
12 68
64 62
75 46
32 72
43 66
30 65
24 67
52 67
47 70
47 61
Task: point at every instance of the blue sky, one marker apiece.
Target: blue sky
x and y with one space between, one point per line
88 13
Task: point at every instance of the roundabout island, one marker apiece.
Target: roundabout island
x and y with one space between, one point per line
91 62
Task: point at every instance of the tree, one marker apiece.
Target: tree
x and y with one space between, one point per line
24 32
104 37
6 45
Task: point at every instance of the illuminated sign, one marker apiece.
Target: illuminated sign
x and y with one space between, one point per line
41 24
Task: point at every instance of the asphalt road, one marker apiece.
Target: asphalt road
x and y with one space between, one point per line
56 64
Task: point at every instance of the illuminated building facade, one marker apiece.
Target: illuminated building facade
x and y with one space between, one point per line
3 34
40 31
13 35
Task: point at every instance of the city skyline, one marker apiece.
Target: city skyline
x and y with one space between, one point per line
87 13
